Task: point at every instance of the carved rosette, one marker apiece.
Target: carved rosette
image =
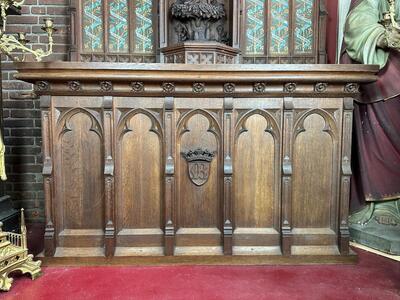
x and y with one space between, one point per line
321 87
352 88
290 87
106 86
198 87
259 87
168 87
42 85
229 88
137 86
74 85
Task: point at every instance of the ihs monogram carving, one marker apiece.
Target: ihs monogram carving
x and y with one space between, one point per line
321 87
290 87
198 87
229 87
168 87
137 86
106 86
351 88
259 87
74 85
199 165
42 85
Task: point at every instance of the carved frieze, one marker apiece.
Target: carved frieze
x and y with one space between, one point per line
351 88
290 87
198 87
259 87
321 87
229 88
168 87
42 85
74 85
137 86
106 86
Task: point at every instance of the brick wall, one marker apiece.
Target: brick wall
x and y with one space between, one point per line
22 131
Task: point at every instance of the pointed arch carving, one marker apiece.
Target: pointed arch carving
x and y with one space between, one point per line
272 125
64 122
330 126
124 127
214 127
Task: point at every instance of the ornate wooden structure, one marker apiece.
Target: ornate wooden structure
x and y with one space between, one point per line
165 159
265 31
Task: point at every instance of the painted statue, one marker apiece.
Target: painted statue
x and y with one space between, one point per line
372 36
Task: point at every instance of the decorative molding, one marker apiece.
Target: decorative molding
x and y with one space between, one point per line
198 87
352 88
290 87
320 87
229 87
42 85
106 86
137 86
74 85
168 87
259 87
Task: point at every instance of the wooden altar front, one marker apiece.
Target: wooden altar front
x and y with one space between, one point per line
160 159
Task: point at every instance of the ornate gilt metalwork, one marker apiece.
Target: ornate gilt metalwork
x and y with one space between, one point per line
10 43
14 256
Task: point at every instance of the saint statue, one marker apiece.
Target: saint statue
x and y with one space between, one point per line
372 36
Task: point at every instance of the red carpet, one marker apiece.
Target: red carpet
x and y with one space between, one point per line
373 277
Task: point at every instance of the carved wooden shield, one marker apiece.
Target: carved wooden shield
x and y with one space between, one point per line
199 172
199 161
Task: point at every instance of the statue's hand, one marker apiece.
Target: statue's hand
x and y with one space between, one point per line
392 39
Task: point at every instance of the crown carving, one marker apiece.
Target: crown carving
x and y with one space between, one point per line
198 154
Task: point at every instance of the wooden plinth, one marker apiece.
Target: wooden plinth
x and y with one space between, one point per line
200 260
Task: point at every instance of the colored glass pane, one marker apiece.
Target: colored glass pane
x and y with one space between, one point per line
279 16
144 33
304 35
255 35
118 26
93 25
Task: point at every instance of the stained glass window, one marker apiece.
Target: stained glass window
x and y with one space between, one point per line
144 37
255 36
304 35
282 17
118 28
279 15
127 33
93 25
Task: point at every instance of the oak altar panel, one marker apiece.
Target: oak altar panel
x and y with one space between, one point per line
79 201
161 160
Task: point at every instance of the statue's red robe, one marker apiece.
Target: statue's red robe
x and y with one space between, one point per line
376 143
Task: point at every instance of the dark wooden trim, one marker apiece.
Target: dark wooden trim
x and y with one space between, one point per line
242 260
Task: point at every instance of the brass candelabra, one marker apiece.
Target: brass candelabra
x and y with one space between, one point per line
10 43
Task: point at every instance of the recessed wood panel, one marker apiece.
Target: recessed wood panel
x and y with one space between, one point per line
81 173
312 173
254 185
140 186
199 206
